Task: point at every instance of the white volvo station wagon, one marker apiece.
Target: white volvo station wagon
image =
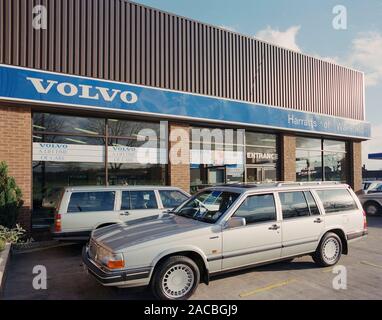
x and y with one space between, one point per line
226 228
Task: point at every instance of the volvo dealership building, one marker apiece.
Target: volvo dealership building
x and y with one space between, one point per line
110 87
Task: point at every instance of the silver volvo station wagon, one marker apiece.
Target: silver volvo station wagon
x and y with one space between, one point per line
226 228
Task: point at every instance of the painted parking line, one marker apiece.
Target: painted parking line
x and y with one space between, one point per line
267 288
371 264
327 270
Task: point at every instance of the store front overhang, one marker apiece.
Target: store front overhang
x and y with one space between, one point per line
32 86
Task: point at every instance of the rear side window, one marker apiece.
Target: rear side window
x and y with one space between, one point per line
298 204
259 208
336 200
311 203
294 205
143 200
172 198
91 201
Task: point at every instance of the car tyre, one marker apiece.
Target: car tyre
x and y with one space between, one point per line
372 208
329 250
176 278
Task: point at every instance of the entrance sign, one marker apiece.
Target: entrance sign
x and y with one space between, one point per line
56 89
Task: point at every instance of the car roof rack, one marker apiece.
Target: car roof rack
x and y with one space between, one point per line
314 183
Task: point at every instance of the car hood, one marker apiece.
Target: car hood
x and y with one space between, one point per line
120 236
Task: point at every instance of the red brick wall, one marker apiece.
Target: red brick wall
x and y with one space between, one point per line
16 150
356 165
288 157
179 174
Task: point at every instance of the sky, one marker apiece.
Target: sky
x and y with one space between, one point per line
307 27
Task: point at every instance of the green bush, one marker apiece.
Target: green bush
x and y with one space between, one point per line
10 198
2 245
14 235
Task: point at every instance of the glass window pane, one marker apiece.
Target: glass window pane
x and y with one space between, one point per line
333 145
294 205
68 148
125 201
172 198
256 209
91 201
308 143
137 174
48 122
143 200
257 139
336 200
336 166
308 165
312 204
131 129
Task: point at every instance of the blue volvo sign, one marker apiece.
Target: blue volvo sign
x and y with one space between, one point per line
29 85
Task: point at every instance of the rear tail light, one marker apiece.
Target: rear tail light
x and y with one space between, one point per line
364 221
57 223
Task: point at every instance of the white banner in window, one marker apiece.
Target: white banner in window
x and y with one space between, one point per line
59 152
142 155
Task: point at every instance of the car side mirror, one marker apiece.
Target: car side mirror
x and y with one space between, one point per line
235 222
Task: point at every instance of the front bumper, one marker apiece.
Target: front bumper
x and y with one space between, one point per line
125 278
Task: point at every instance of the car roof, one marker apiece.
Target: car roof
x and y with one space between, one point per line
274 186
134 187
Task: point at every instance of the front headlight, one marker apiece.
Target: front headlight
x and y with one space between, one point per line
112 261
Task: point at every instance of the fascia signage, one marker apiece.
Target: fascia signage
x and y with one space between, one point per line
22 84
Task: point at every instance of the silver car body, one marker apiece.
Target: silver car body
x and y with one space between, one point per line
77 226
217 247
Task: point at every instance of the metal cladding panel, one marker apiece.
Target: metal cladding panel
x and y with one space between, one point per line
123 41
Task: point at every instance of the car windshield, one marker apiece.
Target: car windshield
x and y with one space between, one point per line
207 206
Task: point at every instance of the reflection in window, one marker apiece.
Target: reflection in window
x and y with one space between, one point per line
54 123
318 160
336 200
308 165
294 205
172 198
50 177
91 202
257 209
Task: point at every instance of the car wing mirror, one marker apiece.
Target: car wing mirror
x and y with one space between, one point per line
235 222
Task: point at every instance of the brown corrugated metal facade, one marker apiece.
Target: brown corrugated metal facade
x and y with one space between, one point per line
123 41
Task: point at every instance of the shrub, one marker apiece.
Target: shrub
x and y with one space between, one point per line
2 245
10 198
14 235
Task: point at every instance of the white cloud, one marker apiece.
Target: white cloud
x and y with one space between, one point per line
286 39
373 146
229 28
366 55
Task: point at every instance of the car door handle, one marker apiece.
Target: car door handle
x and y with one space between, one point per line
274 227
125 213
318 220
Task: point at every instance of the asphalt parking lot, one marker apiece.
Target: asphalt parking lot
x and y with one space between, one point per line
300 279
